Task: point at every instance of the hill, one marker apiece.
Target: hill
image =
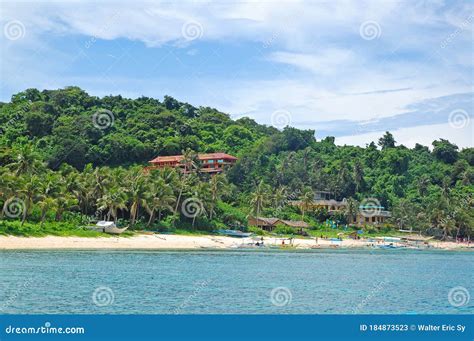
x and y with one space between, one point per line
65 144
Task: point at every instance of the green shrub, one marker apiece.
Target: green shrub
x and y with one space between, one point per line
231 216
256 230
283 229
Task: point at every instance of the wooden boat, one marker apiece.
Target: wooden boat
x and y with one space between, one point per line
235 233
389 246
252 246
107 227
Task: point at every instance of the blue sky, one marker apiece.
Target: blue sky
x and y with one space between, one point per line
351 69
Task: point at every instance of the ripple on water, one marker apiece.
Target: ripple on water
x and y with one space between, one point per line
319 282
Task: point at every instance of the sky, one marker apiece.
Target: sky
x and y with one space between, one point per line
349 69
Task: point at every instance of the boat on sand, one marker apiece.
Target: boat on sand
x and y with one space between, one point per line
235 233
107 227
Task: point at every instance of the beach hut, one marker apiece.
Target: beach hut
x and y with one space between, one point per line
267 224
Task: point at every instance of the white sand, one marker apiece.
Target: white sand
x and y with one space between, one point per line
157 241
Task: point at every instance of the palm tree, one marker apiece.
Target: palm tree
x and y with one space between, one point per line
189 160
447 224
446 190
258 199
280 197
86 189
63 203
25 160
138 192
8 183
120 202
307 199
403 214
102 178
423 184
106 203
29 191
352 208
161 199
202 195
358 175
46 203
190 164
216 183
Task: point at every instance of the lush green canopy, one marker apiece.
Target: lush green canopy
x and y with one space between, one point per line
65 151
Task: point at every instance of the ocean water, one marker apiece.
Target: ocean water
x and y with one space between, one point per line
223 282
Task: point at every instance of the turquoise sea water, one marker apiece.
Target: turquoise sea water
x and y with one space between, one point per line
255 282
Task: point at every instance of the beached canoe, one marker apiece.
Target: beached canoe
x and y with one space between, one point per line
389 246
235 233
107 227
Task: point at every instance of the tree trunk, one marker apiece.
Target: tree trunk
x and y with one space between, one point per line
152 216
43 216
3 209
27 207
212 211
133 214
258 212
178 200
58 215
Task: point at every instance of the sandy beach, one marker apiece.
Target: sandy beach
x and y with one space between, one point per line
157 241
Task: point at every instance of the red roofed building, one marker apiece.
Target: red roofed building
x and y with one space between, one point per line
210 163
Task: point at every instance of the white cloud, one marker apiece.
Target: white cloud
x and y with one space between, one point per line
325 62
323 69
425 135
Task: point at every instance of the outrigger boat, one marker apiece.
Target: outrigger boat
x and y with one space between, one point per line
107 227
235 233
389 246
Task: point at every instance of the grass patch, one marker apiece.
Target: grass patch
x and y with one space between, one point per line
63 229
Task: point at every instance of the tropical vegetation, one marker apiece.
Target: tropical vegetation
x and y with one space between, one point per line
68 158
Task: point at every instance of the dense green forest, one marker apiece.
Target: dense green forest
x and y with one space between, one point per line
69 157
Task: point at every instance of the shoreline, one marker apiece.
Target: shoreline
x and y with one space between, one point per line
183 242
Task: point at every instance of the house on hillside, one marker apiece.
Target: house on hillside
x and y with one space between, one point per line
366 215
371 215
212 163
324 200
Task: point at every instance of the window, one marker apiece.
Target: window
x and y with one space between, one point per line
210 161
220 161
